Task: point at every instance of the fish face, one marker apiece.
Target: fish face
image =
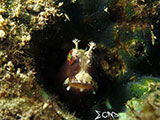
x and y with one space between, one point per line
79 63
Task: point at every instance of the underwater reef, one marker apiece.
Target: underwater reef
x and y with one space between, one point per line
68 59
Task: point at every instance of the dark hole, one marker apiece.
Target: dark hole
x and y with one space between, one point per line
50 47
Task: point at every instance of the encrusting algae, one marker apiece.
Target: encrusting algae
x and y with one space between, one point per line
20 94
146 107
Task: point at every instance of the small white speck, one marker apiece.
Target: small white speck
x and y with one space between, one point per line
89 82
84 82
73 81
78 81
106 10
68 88
66 81
2 34
94 92
81 89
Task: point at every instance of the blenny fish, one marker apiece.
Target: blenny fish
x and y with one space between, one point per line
78 71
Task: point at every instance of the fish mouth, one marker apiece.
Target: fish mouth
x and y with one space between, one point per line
81 82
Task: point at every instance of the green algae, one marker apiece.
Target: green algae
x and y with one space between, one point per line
142 86
143 107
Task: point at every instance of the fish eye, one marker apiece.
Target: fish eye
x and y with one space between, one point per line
72 56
